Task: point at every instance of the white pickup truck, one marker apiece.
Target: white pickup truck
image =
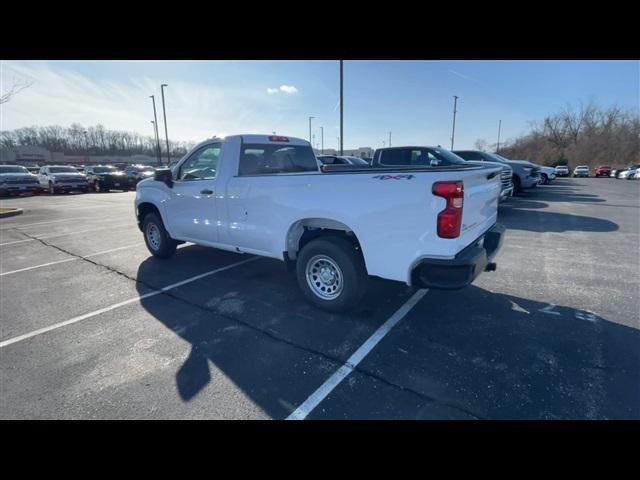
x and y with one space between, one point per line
430 227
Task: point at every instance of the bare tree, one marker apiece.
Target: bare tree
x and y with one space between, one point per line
16 87
481 144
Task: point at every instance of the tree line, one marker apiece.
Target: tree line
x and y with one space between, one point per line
96 140
587 135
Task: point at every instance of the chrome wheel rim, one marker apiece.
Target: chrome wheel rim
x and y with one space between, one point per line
153 236
324 277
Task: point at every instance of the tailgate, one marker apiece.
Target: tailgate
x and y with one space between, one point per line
480 209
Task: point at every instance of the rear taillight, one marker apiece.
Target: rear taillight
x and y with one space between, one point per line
450 219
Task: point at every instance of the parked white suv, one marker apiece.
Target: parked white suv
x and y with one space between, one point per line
267 195
581 171
61 178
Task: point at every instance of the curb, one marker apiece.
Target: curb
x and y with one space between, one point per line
11 213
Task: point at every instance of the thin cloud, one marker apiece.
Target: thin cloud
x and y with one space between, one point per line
288 89
195 110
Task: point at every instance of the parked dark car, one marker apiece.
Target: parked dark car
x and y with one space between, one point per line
103 178
603 171
525 174
135 173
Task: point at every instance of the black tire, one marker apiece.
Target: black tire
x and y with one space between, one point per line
100 189
545 179
350 264
52 190
517 188
165 246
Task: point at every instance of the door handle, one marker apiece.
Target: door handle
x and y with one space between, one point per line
206 192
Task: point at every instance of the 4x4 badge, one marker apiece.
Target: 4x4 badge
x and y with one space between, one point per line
393 177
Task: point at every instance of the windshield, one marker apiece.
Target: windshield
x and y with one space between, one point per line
105 169
357 161
419 156
496 158
13 169
62 170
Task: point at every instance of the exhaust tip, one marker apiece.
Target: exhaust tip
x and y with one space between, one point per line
491 267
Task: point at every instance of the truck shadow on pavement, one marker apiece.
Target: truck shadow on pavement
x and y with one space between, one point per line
495 355
506 357
532 216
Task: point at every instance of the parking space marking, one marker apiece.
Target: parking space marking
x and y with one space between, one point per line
152 293
128 224
45 223
70 259
334 380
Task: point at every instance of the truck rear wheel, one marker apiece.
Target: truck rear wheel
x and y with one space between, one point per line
158 241
331 274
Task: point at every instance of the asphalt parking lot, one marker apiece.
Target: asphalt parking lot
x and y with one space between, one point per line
94 327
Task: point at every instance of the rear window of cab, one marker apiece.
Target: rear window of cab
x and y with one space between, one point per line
265 159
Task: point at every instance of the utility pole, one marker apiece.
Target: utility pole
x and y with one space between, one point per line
341 108
322 140
155 124
310 129
499 126
164 112
313 144
453 131
389 138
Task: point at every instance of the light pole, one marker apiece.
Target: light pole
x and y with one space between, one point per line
86 147
453 131
155 124
155 132
389 138
322 140
338 141
341 109
313 144
164 113
499 126
310 128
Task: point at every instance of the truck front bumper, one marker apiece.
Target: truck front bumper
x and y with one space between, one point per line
458 272
506 193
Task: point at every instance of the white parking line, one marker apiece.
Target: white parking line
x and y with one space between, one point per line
70 259
153 293
44 223
334 380
68 233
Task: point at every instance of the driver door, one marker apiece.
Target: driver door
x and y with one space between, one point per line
191 209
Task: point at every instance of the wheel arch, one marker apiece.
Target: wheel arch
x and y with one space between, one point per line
143 209
304 230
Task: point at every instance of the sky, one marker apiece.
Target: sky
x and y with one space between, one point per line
411 99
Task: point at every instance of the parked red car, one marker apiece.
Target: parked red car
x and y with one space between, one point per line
603 171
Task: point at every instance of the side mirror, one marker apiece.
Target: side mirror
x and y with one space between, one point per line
164 175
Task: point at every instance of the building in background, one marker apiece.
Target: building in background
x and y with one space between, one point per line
362 152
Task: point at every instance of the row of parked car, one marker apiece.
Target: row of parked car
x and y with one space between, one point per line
517 175
632 172
54 179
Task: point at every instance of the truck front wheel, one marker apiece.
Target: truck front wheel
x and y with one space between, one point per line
158 241
331 274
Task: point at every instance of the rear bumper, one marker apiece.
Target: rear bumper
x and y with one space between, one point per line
458 272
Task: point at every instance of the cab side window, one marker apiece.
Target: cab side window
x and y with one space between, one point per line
202 165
